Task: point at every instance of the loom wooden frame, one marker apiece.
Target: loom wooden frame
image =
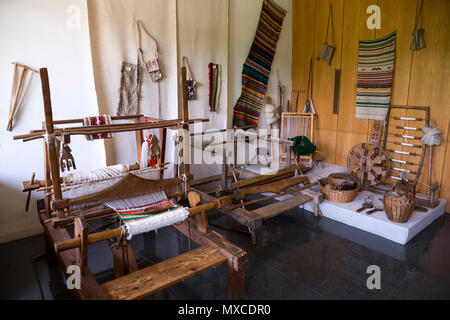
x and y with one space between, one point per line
301 115
281 183
53 217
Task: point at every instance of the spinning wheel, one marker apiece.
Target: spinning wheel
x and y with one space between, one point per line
369 163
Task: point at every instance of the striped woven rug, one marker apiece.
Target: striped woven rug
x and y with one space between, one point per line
375 73
256 70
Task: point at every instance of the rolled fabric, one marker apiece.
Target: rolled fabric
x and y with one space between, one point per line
155 222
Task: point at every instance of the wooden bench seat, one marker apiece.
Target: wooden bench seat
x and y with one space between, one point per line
162 275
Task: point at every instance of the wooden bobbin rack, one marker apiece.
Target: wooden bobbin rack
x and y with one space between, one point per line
401 141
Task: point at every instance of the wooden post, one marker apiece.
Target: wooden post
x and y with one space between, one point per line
162 146
224 170
48 180
139 140
51 141
29 192
119 253
200 220
236 283
81 232
118 267
185 117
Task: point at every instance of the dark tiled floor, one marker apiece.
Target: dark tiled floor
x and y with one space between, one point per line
297 256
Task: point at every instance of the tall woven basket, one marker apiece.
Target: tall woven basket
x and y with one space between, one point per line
399 202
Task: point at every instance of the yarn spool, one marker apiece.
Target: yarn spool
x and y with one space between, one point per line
272 114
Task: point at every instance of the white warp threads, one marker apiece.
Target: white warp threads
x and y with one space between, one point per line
83 187
155 222
136 203
96 174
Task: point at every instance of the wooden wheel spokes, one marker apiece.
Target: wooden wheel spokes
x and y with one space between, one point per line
369 163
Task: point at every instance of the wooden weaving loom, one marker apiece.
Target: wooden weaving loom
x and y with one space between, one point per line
283 182
61 212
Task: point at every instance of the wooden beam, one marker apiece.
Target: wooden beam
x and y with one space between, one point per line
264 178
243 216
236 257
147 281
274 187
199 182
81 232
279 207
51 141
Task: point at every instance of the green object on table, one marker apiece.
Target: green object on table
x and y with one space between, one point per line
302 146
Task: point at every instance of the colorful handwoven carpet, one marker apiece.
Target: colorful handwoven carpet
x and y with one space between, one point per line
375 73
256 71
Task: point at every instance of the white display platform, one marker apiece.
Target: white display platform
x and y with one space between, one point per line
376 223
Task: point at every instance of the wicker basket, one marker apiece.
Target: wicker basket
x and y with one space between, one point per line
340 196
399 202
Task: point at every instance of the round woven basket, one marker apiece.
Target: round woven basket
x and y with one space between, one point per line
340 196
398 209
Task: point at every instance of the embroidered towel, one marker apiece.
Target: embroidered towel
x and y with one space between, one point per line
375 73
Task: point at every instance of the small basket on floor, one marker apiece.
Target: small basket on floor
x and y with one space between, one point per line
399 202
340 196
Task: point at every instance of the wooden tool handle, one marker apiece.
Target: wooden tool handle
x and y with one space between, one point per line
29 192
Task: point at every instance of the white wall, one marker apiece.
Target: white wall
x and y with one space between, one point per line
203 38
113 40
34 33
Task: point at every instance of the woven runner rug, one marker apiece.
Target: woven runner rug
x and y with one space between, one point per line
256 70
375 73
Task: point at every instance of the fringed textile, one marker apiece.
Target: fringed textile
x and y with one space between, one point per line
256 70
375 73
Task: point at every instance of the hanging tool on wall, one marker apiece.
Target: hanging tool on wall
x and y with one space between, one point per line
337 90
309 104
21 81
190 82
328 50
418 41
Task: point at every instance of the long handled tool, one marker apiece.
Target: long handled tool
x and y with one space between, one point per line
19 89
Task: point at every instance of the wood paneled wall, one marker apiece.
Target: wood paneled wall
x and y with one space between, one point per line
421 78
